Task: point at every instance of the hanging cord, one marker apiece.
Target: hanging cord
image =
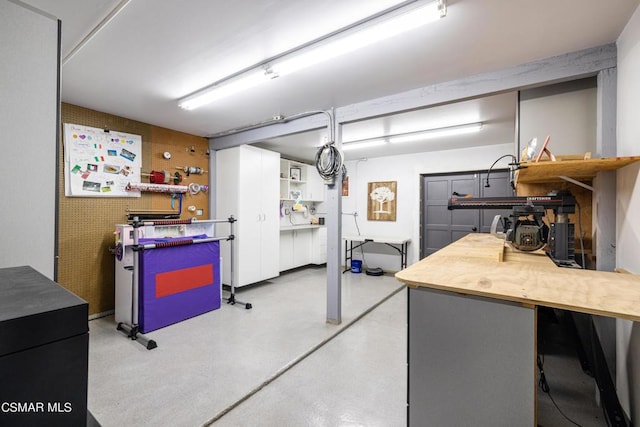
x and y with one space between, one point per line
512 167
329 163
544 386
355 219
355 212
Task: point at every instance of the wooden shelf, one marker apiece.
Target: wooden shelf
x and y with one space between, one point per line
581 170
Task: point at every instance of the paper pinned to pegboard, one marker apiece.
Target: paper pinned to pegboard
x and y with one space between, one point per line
100 163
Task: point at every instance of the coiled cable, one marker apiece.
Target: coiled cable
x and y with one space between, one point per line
329 163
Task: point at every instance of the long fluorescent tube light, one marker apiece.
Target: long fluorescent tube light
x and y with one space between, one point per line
413 136
366 37
245 82
436 133
318 52
363 144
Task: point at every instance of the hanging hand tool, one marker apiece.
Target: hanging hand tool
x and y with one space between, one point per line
191 170
163 177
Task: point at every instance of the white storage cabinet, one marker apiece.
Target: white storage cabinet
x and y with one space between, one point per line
247 187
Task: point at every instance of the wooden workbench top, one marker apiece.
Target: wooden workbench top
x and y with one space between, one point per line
472 266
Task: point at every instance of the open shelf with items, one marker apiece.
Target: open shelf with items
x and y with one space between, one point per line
300 181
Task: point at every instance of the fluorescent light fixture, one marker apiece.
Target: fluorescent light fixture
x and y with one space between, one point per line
362 144
213 93
357 40
412 136
436 133
323 49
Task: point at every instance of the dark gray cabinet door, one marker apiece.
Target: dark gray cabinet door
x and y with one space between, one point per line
440 226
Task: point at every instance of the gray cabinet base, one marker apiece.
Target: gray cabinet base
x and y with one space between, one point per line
471 361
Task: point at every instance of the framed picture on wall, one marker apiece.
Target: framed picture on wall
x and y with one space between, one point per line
295 174
381 203
345 187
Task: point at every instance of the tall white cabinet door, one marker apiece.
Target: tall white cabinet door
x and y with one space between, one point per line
248 188
250 216
270 210
226 196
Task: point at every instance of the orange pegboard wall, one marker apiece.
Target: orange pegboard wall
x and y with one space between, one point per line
185 150
86 225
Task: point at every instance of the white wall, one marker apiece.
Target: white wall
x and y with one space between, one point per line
628 210
566 112
406 170
28 119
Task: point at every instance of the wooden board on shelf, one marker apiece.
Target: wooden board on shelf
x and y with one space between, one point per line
576 169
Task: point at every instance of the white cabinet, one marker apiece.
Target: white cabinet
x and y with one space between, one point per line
315 185
286 250
247 188
296 248
319 246
300 181
302 247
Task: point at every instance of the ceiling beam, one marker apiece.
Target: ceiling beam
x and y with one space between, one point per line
569 66
287 126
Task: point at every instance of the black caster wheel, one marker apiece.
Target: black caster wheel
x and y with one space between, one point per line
248 306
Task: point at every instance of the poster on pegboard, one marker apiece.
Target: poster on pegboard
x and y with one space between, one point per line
100 163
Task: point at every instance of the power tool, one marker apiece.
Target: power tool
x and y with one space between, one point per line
525 229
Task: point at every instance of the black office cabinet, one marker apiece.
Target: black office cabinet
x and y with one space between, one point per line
44 345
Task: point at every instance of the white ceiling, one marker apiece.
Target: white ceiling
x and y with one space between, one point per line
153 52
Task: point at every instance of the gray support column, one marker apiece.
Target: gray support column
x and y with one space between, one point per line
605 184
605 195
604 203
334 243
606 142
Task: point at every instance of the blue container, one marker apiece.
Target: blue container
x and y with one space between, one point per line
356 266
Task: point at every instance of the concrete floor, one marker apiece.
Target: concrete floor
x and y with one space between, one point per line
357 379
573 391
205 365
280 364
